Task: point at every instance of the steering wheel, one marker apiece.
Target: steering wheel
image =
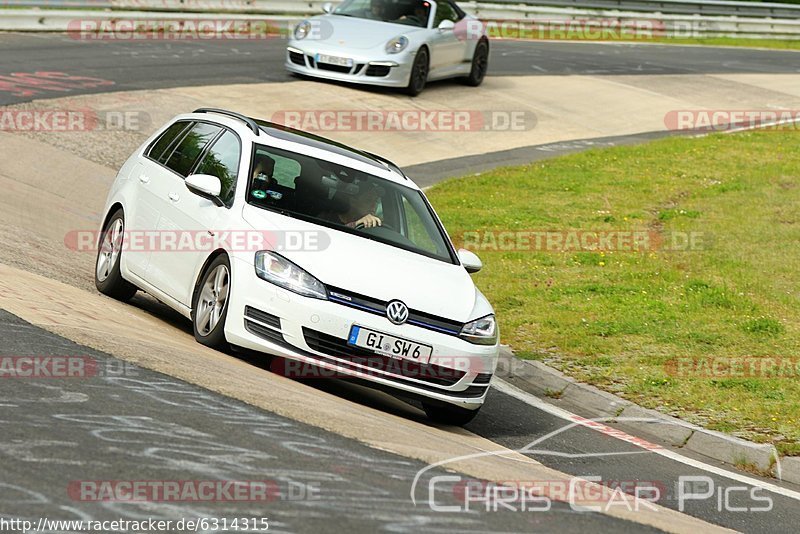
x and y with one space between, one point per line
360 226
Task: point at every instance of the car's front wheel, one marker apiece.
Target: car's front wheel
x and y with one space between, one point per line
449 415
210 306
419 73
107 277
480 65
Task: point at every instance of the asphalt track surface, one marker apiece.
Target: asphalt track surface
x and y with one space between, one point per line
127 423
154 64
145 425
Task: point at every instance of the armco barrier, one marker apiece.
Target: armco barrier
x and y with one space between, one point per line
673 18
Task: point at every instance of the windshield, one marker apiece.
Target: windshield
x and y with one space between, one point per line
347 200
410 12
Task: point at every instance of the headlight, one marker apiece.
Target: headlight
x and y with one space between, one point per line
302 30
281 272
481 331
397 45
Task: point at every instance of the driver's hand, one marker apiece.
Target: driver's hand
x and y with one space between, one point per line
369 221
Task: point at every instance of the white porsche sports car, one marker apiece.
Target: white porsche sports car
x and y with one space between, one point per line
392 43
281 242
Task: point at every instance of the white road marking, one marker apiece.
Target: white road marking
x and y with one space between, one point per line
561 413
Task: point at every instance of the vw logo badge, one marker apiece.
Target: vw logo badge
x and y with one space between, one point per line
397 312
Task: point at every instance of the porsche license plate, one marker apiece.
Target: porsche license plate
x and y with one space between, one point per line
334 60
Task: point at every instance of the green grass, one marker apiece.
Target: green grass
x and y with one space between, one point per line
777 44
617 318
735 41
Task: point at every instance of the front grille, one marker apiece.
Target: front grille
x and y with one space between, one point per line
378 307
379 71
338 347
297 58
334 68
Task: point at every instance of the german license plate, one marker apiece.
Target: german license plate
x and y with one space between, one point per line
334 60
389 345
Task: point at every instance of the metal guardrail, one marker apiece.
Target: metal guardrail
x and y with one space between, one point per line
678 7
543 18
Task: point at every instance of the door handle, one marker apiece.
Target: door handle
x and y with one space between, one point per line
174 197
144 178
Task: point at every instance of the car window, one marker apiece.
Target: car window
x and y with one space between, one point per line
342 198
416 228
189 149
444 11
222 161
166 139
410 12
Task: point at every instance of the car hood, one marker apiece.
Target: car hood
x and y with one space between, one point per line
358 34
371 268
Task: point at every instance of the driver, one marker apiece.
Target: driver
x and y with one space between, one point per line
377 9
361 210
419 15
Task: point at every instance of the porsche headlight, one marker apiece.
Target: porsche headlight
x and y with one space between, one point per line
278 270
397 45
302 30
481 331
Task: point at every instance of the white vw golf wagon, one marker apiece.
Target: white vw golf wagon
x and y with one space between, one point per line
278 241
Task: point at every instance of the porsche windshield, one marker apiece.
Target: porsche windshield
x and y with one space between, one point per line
345 199
409 12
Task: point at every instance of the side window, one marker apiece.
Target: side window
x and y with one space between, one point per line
270 168
272 179
222 161
444 11
160 146
416 231
189 149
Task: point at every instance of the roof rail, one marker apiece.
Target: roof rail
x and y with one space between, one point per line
247 120
388 163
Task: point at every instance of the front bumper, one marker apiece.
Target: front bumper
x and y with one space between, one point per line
269 319
387 70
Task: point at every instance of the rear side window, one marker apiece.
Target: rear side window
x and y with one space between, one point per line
189 149
166 140
222 161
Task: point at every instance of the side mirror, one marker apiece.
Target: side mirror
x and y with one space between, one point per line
447 25
206 186
471 262
327 7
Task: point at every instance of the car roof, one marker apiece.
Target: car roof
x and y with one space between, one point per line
294 140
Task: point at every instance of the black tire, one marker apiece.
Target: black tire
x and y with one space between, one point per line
480 64
449 415
107 278
205 332
419 73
